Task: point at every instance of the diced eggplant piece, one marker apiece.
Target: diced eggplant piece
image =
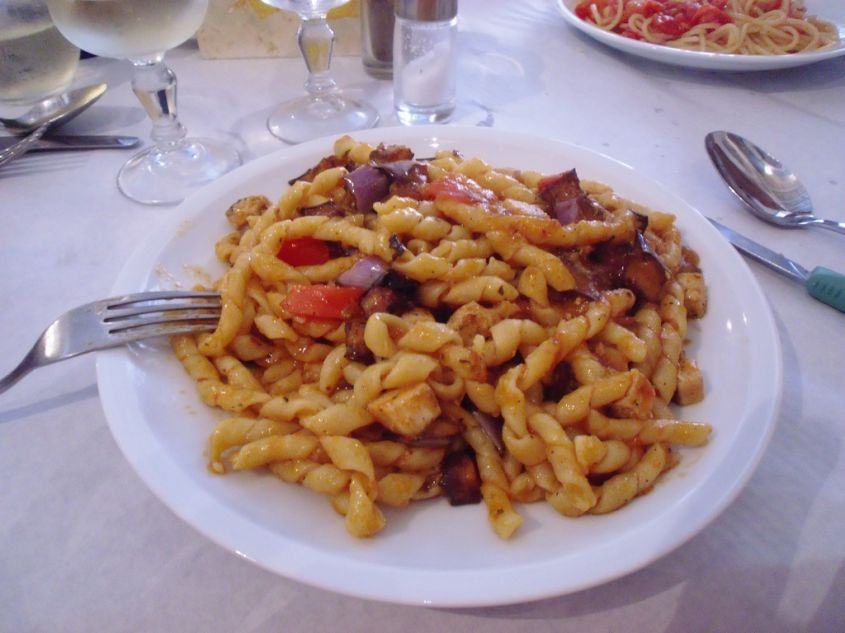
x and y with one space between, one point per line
566 201
634 266
391 153
356 348
327 162
381 299
643 272
329 209
461 480
400 283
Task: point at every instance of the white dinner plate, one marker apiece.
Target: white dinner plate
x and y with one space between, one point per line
831 11
432 553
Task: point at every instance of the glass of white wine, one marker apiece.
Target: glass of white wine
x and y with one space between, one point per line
142 31
36 61
325 111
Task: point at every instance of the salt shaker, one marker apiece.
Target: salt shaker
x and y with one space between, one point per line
424 60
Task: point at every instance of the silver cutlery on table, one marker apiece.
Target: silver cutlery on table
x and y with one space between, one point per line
117 321
768 189
22 146
48 114
828 286
70 142
55 110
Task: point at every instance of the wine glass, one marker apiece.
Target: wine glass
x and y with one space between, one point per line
324 111
142 31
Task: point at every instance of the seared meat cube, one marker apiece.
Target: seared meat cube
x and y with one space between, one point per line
406 411
239 213
695 294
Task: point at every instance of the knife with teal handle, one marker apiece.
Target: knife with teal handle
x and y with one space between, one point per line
828 286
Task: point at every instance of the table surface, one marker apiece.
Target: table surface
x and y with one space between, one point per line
86 547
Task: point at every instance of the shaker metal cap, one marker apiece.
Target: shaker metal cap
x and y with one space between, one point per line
427 10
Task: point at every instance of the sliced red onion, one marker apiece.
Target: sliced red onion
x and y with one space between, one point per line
365 273
492 427
398 169
367 184
566 211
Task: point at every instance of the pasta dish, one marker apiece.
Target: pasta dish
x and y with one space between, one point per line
397 329
749 27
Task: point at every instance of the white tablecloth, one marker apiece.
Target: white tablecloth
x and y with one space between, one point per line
86 547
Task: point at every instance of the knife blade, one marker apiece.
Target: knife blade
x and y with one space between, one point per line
759 253
828 286
75 142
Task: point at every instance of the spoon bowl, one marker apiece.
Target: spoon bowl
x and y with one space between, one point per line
768 189
55 110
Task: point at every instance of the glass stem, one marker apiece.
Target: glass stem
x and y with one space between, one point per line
316 40
154 83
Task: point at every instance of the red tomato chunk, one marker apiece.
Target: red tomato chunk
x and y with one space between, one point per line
322 302
304 251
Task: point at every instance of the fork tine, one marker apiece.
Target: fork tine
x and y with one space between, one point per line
187 317
164 328
153 310
165 295
161 311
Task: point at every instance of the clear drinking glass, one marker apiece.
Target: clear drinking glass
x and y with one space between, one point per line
377 24
36 61
325 111
142 31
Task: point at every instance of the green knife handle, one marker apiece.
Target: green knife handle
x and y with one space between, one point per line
827 286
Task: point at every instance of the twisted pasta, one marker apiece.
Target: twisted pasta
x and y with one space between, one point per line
484 351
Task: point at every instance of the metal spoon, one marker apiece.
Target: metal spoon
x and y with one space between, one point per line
54 111
768 189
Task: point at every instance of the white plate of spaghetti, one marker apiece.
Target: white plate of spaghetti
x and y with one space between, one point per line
430 552
725 35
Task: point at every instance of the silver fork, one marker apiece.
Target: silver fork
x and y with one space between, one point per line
117 321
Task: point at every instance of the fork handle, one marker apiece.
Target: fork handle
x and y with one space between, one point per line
29 362
23 146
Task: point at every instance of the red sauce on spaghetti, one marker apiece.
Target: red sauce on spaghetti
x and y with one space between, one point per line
671 18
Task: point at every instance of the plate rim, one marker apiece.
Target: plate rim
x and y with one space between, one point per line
409 590
701 60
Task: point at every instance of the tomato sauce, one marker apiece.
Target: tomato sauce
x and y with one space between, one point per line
669 17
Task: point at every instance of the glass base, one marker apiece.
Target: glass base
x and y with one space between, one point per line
157 176
378 69
308 118
418 115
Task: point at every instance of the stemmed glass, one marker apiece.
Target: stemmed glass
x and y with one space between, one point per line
325 111
142 31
